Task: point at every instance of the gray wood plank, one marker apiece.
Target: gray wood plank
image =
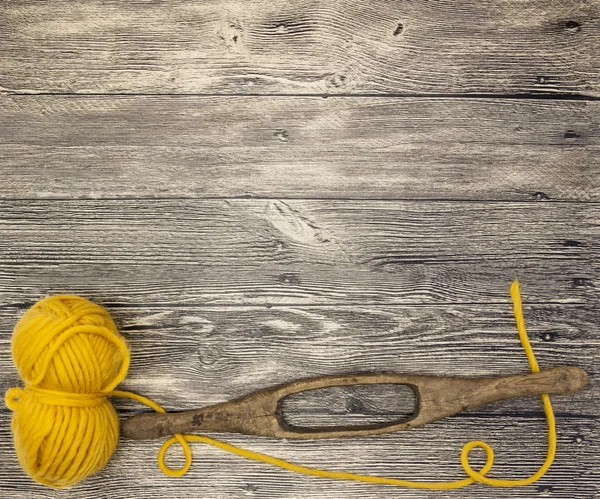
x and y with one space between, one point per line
314 47
413 148
436 456
281 252
186 357
429 453
338 260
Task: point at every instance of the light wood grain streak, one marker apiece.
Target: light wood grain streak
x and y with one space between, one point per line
417 148
271 252
308 46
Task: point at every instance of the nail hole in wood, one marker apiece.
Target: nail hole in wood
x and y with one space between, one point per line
545 490
571 134
337 80
281 135
573 26
289 279
579 282
250 489
549 337
571 243
399 29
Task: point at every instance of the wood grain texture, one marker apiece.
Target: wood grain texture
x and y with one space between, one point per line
192 346
189 356
428 453
282 252
245 231
308 47
299 147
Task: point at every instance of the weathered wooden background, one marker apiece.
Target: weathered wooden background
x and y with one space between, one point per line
264 190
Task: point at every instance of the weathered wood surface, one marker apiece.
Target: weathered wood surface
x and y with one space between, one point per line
269 252
428 453
308 47
219 297
188 356
251 232
411 148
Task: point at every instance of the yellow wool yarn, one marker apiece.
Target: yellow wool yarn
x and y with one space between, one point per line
71 357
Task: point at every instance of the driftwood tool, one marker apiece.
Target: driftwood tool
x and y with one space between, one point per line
260 413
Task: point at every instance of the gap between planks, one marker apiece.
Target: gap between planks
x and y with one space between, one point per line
200 197
558 96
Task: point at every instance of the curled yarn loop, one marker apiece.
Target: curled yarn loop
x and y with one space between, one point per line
71 357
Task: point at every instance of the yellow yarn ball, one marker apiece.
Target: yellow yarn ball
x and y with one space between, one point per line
70 356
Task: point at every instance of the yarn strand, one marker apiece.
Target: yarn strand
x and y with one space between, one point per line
472 475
